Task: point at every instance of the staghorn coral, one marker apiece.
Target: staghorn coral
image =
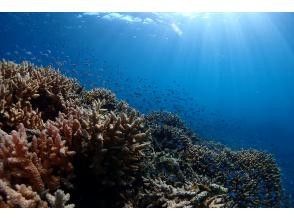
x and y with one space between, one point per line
56 137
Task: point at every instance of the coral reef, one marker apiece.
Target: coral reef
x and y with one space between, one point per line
251 177
62 146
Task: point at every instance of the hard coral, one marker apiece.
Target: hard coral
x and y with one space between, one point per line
55 136
20 196
29 93
59 200
39 163
18 163
252 177
169 131
157 193
115 144
106 96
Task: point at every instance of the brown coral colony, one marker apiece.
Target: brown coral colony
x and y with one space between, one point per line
62 146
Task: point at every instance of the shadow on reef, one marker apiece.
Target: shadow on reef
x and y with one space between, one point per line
56 137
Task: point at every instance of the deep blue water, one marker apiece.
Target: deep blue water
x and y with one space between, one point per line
230 76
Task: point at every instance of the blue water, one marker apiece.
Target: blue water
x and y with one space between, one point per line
230 76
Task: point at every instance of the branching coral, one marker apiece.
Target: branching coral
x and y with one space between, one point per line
169 131
54 154
106 96
110 141
115 144
18 163
29 93
158 193
252 177
170 137
22 196
19 197
39 163
59 200
55 136
165 118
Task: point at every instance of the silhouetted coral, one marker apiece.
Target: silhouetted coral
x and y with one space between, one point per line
169 131
165 118
106 96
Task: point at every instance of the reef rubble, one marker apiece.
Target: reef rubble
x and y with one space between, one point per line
63 146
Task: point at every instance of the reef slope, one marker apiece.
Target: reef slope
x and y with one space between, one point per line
63 146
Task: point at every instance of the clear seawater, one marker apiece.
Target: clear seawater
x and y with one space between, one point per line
230 76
